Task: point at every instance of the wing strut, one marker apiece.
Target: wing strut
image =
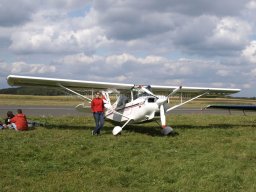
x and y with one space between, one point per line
78 94
175 91
175 106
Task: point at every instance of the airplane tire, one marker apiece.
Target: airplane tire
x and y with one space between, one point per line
116 130
167 130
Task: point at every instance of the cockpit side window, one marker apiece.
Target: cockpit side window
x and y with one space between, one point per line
151 100
137 92
123 99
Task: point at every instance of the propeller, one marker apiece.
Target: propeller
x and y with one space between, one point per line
166 129
162 116
148 92
161 100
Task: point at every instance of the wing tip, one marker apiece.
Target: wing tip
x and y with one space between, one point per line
10 80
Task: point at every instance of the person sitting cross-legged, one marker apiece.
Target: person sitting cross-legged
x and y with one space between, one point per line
19 121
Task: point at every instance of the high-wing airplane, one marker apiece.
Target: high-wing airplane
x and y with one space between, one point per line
134 104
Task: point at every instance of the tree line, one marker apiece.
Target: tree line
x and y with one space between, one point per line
33 91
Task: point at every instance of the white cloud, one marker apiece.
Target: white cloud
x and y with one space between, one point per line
251 5
217 84
253 73
223 72
247 86
25 68
59 41
249 53
161 42
55 36
118 60
19 12
230 32
149 69
80 59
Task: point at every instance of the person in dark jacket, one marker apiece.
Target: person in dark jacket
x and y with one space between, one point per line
1 125
7 120
97 107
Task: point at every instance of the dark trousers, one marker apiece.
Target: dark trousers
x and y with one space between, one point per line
99 121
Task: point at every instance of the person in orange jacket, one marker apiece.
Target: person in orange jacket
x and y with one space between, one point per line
19 121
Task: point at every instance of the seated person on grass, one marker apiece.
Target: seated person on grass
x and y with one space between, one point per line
1 125
7 121
19 121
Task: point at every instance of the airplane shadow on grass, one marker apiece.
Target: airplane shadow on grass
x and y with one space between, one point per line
107 129
147 130
213 126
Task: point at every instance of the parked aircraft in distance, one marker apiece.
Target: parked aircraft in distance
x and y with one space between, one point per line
233 107
134 104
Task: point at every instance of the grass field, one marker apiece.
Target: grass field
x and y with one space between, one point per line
210 153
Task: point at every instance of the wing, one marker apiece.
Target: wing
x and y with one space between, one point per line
195 90
237 107
15 80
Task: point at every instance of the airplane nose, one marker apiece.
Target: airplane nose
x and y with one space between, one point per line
161 100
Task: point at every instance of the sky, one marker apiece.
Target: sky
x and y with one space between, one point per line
168 42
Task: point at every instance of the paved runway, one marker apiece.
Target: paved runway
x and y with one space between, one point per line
71 111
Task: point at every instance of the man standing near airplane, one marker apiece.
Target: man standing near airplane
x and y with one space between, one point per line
97 107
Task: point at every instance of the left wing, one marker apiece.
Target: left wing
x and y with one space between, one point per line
15 80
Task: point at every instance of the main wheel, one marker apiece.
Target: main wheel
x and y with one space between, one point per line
116 130
167 130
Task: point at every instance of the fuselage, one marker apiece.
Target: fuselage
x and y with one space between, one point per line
142 109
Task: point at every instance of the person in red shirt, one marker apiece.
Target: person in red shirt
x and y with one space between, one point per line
20 121
97 107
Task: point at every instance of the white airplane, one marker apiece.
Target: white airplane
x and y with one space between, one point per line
134 104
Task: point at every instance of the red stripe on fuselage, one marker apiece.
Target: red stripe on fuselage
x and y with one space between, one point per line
132 106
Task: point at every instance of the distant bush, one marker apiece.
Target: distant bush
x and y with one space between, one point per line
33 91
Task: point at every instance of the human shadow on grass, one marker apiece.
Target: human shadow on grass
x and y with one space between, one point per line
67 126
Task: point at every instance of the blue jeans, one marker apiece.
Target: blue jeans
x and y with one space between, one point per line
99 121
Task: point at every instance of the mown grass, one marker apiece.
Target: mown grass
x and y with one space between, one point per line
34 100
210 153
